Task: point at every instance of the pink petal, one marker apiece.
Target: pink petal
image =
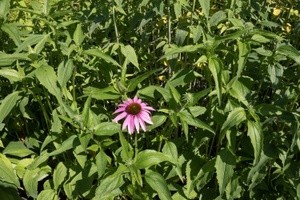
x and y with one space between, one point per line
135 99
122 109
136 123
145 117
126 122
131 124
120 116
142 123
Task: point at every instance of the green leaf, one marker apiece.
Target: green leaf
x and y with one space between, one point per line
290 52
107 129
225 163
59 175
4 8
98 53
130 54
215 66
192 121
17 149
157 120
235 117
159 184
101 162
13 31
30 181
148 158
64 72
244 50
175 94
197 110
256 137
56 125
217 17
47 194
11 74
47 77
78 36
205 5
8 191
7 173
65 146
8 59
110 186
101 94
133 83
182 49
7 104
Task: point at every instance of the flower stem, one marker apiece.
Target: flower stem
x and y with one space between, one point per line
136 150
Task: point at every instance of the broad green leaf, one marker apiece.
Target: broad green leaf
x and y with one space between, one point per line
101 94
256 137
215 66
65 146
107 129
39 160
8 59
256 174
127 151
98 53
205 5
130 54
217 17
157 120
47 77
159 184
197 110
133 83
244 50
78 36
30 41
182 49
101 162
193 98
11 74
59 175
260 38
41 44
192 121
182 77
13 31
170 149
234 118
148 158
175 94
64 72
17 149
56 125
155 92
86 112
290 52
7 172
30 181
110 186
8 191
225 163
239 91
8 104
47 194
4 8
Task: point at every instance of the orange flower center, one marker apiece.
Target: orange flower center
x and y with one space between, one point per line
133 108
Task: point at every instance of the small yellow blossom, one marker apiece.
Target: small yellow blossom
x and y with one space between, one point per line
276 11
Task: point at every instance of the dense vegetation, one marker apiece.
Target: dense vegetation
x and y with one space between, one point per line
222 75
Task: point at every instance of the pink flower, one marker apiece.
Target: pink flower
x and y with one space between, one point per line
136 113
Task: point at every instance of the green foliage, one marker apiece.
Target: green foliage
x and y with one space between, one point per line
223 77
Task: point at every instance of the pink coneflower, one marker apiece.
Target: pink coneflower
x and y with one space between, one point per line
136 113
